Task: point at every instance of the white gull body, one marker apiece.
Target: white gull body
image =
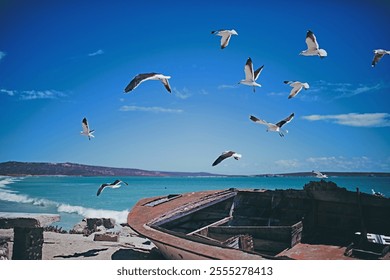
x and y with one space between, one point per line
225 155
274 127
313 47
250 75
378 54
320 175
86 131
225 36
114 185
296 87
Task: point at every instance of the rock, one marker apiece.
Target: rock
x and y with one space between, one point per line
90 225
4 250
93 223
79 228
106 237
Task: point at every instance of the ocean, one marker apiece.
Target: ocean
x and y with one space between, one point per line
74 198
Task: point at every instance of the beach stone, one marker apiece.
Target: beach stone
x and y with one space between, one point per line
28 243
94 223
80 227
4 249
106 237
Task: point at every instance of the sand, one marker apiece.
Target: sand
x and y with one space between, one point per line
65 246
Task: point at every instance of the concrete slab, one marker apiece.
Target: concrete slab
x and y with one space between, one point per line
26 220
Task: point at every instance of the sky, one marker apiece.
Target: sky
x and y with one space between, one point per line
61 61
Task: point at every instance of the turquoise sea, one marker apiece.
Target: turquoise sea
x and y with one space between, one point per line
75 197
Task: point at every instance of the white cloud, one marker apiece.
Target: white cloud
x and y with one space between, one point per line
34 94
203 92
38 94
342 163
8 92
287 163
344 90
2 54
126 108
182 94
334 163
354 119
98 52
227 86
282 93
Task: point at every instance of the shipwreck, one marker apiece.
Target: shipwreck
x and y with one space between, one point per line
321 221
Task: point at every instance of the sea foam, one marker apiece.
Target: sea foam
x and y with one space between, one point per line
7 194
118 216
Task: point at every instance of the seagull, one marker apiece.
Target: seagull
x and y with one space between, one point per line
320 175
312 46
86 130
226 155
250 76
225 36
378 54
115 185
377 193
274 127
297 87
145 77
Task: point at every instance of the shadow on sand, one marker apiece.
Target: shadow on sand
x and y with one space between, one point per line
135 254
89 253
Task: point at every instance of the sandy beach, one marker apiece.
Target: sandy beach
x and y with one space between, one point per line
65 246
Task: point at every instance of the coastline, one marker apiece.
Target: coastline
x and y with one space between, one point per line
66 246
25 169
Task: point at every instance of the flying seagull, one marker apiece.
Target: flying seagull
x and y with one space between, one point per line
226 155
225 36
250 76
378 54
312 46
86 130
320 175
115 185
297 87
377 193
135 82
274 127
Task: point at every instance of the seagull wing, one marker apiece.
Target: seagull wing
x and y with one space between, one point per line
84 124
116 182
297 87
317 173
376 59
224 155
286 120
225 39
137 80
248 69
166 85
101 189
311 41
256 120
217 32
258 72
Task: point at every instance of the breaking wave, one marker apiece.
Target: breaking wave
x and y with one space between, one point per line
6 194
5 181
118 216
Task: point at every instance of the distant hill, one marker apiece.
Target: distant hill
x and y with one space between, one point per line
329 174
15 168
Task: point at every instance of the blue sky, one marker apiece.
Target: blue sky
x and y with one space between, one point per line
61 61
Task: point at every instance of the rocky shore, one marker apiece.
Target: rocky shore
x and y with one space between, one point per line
92 239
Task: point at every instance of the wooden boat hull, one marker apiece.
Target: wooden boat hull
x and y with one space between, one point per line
259 224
